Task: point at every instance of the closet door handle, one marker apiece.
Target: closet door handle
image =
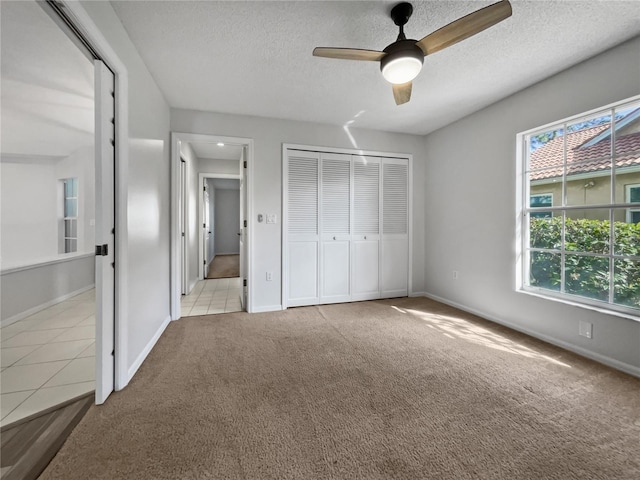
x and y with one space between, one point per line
334 238
365 237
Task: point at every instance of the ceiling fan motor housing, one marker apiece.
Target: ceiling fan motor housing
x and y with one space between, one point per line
405 51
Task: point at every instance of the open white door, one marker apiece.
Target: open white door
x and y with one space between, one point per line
243 227
182 219
105 232
206 229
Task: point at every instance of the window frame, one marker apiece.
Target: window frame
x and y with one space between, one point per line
523 211
627 197
545 213
66 218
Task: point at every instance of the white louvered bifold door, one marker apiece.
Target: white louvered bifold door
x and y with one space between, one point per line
302 178
395 227
365 271
335 224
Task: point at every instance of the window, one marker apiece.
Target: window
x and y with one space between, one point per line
633 196
70 221
586 246
541 200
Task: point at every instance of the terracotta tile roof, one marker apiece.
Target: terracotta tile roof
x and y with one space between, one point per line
584 159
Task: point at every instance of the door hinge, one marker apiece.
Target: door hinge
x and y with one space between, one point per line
245 164
182 234
245 224
204 225
244 282
113 265
204 262
102 250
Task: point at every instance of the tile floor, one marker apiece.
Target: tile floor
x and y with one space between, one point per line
221 295
47 358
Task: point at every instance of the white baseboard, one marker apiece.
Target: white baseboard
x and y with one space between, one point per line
223 253
268 308
610 362
417 294
147 349
39 308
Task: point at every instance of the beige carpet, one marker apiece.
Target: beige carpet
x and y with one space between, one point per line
394 389
224 266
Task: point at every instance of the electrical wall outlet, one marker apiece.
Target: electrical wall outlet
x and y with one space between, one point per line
586 329
272 218
455 274
269 276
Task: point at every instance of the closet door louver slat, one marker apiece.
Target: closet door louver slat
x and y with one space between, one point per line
366 198
303 196
395 201
336 194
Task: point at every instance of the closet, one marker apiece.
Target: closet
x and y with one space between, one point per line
346 227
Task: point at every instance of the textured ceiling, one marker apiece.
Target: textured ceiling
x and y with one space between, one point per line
254 58
47 86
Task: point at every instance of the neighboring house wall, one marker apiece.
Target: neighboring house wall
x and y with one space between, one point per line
581 192
148 199
478 238
227 221
269 135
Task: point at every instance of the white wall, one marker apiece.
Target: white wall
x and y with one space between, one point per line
269 135
228 167
29 224
148 202
227 221
471 217
31 198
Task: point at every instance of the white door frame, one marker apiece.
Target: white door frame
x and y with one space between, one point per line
201 178
88 29
176 139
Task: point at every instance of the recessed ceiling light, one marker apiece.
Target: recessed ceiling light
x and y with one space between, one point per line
220 144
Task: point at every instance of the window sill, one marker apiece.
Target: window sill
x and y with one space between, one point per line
45 262
567 301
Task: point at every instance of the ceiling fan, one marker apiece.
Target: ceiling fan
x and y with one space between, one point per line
401 61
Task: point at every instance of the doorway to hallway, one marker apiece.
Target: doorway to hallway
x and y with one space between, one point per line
209 172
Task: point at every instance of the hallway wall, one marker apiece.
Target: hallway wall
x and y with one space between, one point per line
227 221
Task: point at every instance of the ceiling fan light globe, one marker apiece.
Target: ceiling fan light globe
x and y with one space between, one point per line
401 70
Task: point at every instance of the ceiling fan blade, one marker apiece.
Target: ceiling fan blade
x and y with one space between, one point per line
465 27
402 92
348 53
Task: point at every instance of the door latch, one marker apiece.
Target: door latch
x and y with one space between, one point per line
102 250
